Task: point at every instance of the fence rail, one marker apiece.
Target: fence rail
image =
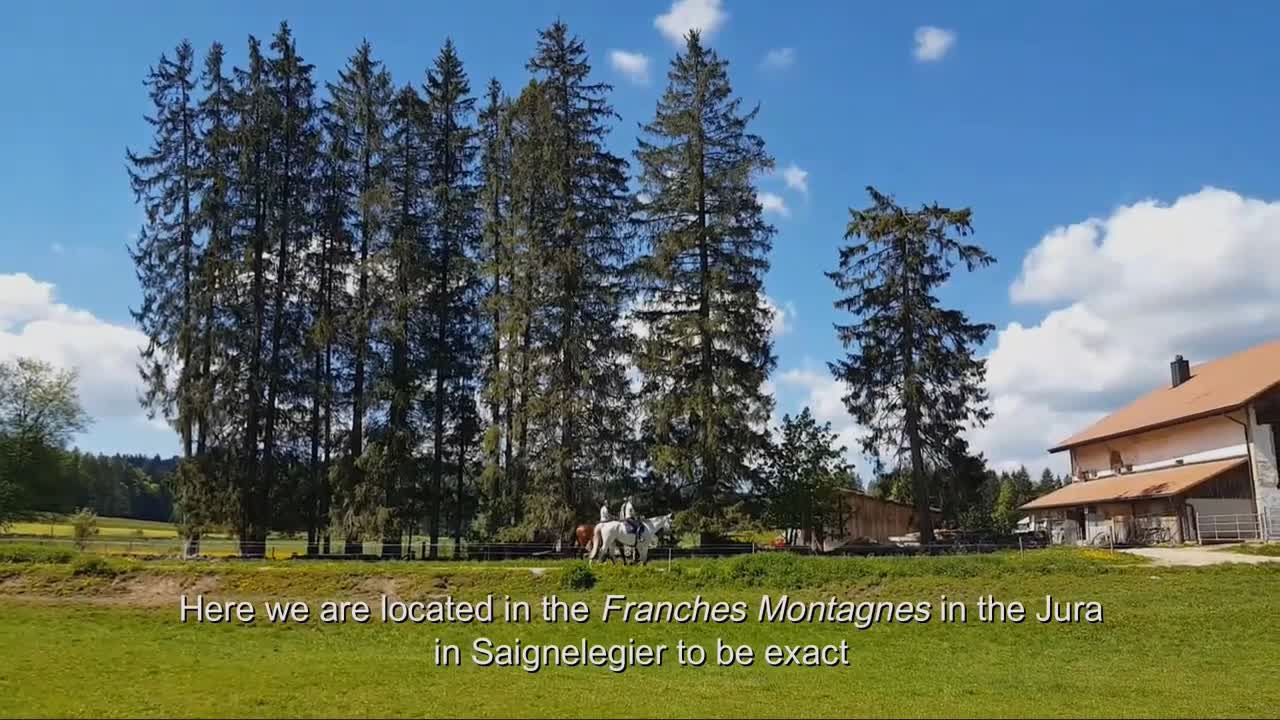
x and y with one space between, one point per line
285 548
1231 528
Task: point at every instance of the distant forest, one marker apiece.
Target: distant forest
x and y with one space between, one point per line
135 486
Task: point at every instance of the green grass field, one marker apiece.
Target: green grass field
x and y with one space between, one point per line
59 526
91 637
128 536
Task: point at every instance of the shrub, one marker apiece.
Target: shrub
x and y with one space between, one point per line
33 553
93 565
84 525
577 577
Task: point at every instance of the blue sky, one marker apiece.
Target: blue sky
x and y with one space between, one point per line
1039 116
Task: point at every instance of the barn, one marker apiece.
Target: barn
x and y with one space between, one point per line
865 518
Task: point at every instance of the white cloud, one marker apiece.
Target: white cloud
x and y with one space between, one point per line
1124 294
34 324
932 43
779 59
685 15
635 66
773 203
782 317
796 178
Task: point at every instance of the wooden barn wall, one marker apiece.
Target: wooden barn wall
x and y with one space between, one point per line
874 519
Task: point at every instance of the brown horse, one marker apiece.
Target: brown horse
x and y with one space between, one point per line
582 536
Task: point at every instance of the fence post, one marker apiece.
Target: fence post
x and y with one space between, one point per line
668 559
1019 543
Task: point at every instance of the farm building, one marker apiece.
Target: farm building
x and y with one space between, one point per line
1194 460
866 518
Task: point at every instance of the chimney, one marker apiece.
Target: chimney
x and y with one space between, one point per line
1179 371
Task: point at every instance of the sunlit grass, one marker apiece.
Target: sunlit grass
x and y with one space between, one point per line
1195 634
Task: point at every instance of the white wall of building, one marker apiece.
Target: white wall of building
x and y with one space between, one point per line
1204 439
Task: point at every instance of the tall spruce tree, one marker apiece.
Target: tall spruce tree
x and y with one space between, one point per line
450 326
525 243
360 103
292 151
327 269
494 181
201 487
255 109
583 410
914 380
707 351
166 180
406 161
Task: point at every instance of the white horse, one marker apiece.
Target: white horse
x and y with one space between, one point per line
608 538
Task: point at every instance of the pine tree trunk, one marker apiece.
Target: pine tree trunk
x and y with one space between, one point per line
249 509
919 483
268 479
457 513
522 457
495 419
313 493
515 345
710 464
354 546
402 475
437 455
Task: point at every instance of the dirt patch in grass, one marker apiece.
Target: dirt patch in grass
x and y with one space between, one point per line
160 590
376 586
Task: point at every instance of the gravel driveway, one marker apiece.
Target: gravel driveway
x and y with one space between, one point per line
1198 556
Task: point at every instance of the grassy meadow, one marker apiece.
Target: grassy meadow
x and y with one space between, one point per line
128 536
92 636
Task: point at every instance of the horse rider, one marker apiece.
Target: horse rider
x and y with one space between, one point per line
630 517
605 515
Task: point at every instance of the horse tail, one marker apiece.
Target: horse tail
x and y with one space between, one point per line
594 545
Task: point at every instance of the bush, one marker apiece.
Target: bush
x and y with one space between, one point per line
33 553
84 525
577 577
93 565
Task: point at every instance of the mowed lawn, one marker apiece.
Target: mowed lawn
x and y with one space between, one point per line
59 526
78 640
127 536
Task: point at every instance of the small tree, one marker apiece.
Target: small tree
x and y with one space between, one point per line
1004 516
806 471
84 525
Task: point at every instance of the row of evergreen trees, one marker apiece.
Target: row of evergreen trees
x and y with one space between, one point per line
134 486
970 495
376 307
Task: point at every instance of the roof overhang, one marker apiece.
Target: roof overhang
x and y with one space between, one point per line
1068 443
1149 484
